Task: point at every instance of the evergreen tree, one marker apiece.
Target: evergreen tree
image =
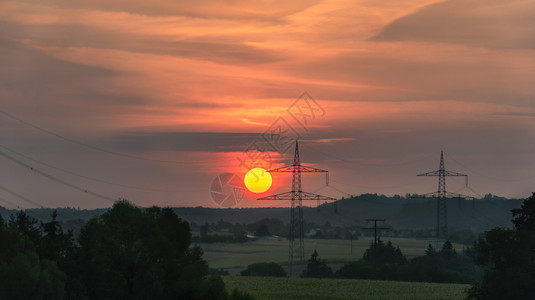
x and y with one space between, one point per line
380 253
430 251
316 268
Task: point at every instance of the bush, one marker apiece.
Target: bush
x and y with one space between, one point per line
356 270
269 269
219 271
436 266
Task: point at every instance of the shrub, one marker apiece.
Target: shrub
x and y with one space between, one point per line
269 269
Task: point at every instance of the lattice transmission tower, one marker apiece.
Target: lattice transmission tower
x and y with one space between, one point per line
296 196
442 195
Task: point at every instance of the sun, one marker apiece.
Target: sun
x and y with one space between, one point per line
257 180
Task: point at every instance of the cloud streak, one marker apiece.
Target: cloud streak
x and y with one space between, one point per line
398 80
492 24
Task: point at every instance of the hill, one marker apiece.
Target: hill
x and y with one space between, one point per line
401 213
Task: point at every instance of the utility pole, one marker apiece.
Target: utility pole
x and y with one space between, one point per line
351 234
442 195
375 238
296 196
375 228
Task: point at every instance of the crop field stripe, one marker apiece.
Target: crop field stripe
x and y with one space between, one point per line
311 288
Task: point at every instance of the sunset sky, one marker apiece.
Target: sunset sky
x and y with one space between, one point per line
152 100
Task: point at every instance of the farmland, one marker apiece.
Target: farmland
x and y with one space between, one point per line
235 257
300 288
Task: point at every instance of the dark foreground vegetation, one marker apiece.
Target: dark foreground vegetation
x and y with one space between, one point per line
508 256
383 261
501 265
133 253
125 253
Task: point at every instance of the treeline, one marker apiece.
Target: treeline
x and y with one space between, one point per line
226 232
500 265
125 253
383 261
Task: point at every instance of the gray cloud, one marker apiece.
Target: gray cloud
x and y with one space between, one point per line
61 35
517 114
270 10
183 141
411 79
490 24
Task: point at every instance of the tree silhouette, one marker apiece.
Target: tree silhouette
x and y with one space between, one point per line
270 269
380 253
316 268
509 256
261 230
128 253
23 274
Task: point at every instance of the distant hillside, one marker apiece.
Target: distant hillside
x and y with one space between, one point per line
400 212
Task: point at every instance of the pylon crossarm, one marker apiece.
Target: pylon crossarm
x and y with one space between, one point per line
433 173
281 196
448 195
282 169
455 195
450 173
426 195
311 196
298 168
437 173
290 196
310 169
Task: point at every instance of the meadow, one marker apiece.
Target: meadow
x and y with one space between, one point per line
235 257
311 288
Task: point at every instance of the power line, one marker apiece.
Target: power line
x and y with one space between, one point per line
70 140
485 176
20 196
340 159
17 207
96 179
10 203
83 190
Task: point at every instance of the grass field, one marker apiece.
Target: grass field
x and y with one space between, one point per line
299 288
236 257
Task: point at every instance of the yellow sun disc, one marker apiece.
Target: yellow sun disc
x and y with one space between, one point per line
257 180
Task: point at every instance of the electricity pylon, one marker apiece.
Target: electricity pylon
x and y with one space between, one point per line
296 213
442 195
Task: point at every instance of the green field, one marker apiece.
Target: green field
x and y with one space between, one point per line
235 257
299 288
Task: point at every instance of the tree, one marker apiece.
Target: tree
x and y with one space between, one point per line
356 270
55 244
128 253
204 232
509 256
23 274
262 230
270 269
380 253
430 251
447 250
27 226
316 268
